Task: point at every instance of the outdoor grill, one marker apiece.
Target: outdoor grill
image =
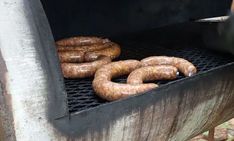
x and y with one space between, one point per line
37 103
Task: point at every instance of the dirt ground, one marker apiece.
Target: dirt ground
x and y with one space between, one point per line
224 132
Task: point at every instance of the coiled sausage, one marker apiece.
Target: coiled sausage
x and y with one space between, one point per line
81 41
85 48
71 56
150 73
184 66
113 51
105 88
87 51
82 70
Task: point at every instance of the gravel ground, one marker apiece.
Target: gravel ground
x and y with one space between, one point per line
223 132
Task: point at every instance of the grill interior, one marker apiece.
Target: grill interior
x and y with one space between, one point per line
184 40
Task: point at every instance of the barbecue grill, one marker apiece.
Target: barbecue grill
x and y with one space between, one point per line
37 103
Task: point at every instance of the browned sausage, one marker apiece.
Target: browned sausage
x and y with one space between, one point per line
81 41
82 70
105 88
184 66
113 51
90 53
149 73
71 56
85 48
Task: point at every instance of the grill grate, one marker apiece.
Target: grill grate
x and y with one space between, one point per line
81 95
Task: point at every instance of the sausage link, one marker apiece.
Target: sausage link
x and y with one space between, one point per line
113 91
150 73
71 56
184 66
82 70
113 51
105 88
85 48
81 41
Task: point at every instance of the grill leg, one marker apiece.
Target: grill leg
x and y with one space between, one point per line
211 134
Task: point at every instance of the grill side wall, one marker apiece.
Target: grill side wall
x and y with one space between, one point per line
177 111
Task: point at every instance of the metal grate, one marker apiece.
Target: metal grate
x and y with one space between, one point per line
81 95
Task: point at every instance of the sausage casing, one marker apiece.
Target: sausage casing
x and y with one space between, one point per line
85 48
82 70
90 50
105 88
150 73
71 56
113 51
184 66
81 41
88 53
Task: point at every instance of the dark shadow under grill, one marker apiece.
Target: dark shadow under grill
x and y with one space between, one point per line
159 42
